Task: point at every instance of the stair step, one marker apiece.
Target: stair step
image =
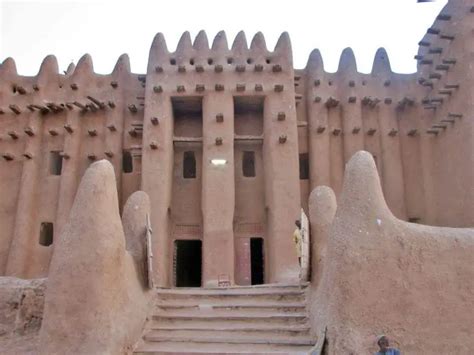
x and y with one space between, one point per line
207 337
238 291
255 333
146 348
216 304
224 314
219 312
228 326
190 322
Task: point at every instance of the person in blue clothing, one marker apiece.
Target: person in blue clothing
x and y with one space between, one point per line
383 344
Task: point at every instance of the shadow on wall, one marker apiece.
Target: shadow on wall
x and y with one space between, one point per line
97 297
375 274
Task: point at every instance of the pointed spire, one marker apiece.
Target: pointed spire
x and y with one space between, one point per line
184 45
84 66
8 66
315 61
70 69
240 42
49 66
381 62
347 62
201 42
258 42
122 65
158 45
220 42
284 43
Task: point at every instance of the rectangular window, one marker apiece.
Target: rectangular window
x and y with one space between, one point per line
189 165
55 163
304 166
46 234
127 162
248 164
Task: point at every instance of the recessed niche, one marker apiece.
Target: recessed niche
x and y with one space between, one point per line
46 234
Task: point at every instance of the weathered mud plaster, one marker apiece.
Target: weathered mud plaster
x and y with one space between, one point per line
384 275
96 298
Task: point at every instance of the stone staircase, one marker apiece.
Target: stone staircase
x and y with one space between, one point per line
233 320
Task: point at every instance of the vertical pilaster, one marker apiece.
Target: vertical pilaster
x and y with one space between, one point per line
218 192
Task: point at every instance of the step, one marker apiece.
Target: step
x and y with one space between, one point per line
225 314
234 291
229 326
145 348
288 296
250 334
191 322
221 304
231 311
208 337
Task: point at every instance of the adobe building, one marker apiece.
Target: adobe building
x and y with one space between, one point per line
211 154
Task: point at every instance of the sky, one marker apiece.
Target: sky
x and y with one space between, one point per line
31 30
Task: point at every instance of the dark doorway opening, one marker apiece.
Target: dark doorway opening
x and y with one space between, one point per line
187 263
189 165
256 260
127 162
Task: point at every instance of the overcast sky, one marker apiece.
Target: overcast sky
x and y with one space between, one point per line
30 30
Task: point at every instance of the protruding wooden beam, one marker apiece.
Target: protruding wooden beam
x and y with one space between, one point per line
132 108
278 88
111 128
81 106
317 99
219 87
13 134
240 87
448 37
74 86
336 131
258 87
154 121
159 69
412 132
219 141
15 109
440 126
355 130
181 69
29 131
180 88
320 129
91 157
448 120
352 99
443 17
20 89
240 68
92 132
451 86
109 154
393 132
281 116
433 31
220 117
153 145
114 84
258 67
100 104
331 102
8 156
371 131
111 104
68 128
64 155
157 89
28 155
200 88
218 68
53 132
276 68
455 115
199 68
282 139
432 131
